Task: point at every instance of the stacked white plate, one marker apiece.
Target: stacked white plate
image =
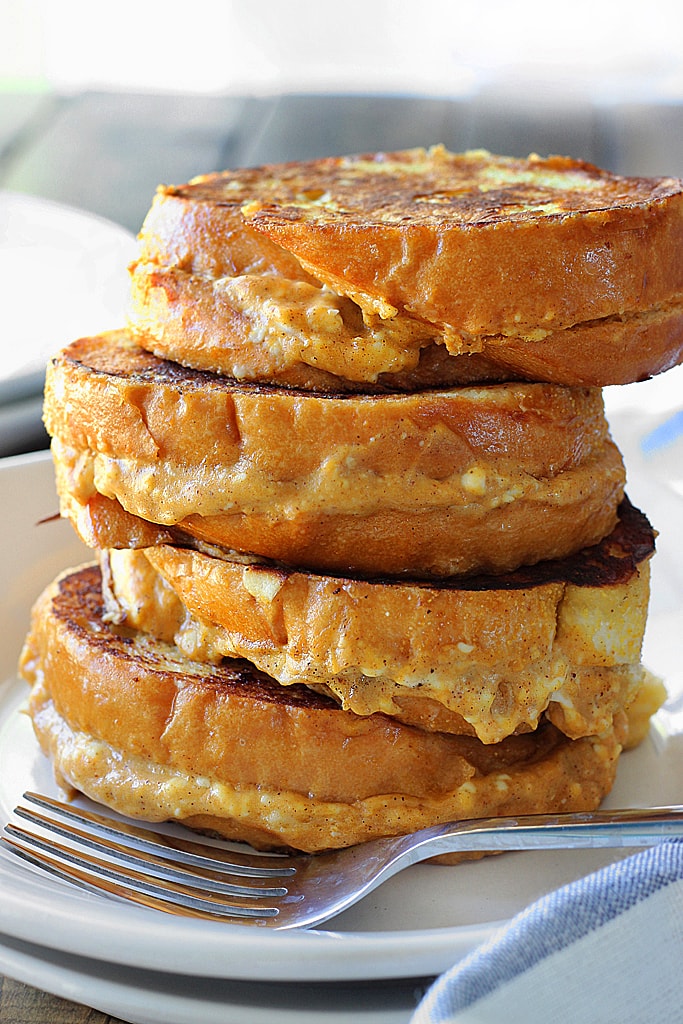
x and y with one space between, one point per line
64 275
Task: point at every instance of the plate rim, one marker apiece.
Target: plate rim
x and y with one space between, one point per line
27 382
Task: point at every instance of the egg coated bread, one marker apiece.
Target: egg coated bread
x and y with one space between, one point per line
430 484
415 268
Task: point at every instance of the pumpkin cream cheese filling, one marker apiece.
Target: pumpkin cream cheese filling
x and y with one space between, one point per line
280 323
167 493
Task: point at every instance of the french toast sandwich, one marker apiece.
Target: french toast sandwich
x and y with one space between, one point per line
371 268
440 482
364 558
135 725
560 638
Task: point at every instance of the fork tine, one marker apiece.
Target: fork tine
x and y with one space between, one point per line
93 873
181 850
159 867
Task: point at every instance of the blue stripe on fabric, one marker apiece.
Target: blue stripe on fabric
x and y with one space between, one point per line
663 435
555 922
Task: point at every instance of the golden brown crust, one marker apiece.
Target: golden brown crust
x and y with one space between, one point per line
485 656
526 243
474 205
136 725
211 237
615 350
435 483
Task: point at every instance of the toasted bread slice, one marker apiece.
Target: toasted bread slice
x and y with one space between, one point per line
483 243
133 723
432 483
486 656
551 269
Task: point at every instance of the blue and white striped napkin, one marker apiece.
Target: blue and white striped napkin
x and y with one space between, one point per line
607 949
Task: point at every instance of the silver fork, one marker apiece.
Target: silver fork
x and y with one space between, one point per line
187 877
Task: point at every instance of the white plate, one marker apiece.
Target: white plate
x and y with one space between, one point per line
64 274
147 997
417 924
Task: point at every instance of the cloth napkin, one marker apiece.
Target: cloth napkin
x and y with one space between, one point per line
607 949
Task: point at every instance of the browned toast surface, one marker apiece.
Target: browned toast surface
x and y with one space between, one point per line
432 187
485 243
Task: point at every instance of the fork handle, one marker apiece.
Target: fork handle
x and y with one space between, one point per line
578 830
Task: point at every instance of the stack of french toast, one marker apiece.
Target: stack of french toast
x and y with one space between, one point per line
364 560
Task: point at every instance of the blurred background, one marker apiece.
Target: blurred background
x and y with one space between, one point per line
101 102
